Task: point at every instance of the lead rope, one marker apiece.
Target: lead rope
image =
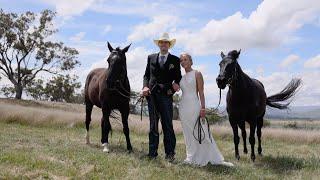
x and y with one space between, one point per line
201 133
141 99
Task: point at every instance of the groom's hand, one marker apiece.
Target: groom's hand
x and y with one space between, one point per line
175 87
145 91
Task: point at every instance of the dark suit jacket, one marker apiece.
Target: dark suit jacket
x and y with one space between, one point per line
169 73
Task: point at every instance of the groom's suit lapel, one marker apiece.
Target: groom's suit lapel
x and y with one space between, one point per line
165 66
155 59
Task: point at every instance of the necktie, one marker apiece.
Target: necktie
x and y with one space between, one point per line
162 61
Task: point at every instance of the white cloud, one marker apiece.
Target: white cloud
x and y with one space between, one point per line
107 29
71 7
260 70
158 25
309 93
193 20
313 62
289 60
138 8
269 26
137 62
78 37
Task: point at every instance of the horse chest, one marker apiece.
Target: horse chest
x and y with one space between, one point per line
112 100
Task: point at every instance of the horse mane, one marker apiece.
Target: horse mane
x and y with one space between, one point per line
233 54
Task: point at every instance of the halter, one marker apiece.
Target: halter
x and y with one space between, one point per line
234 77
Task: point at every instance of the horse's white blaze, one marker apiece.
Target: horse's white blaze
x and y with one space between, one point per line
87 138
105 147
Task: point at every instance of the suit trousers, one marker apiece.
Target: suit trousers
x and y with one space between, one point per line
160 106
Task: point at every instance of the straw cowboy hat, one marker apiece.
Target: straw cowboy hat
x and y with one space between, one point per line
165 37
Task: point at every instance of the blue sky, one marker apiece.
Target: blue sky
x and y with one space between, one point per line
279 38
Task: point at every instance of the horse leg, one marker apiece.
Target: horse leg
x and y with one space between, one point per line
252 139
259 126
124 116
236 138
105 128
242 126
89 107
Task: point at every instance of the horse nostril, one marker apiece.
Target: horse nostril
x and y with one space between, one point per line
219 79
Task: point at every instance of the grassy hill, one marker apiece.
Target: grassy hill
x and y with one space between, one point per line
46 140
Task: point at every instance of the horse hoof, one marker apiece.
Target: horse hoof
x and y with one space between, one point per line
105 148
245 151
129 148
253 158
238 157
87 138
130 151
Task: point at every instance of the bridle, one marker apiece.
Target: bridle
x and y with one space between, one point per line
230 81
234 76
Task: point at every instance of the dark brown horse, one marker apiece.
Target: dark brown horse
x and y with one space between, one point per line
247 100
109 89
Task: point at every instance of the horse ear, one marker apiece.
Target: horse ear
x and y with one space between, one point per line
110 47
222 55
237 54
126 49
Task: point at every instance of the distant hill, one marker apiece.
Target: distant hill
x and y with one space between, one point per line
295 112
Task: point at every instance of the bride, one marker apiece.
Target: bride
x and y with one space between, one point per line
191 84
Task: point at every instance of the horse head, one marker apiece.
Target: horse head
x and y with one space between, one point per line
117 70
228 66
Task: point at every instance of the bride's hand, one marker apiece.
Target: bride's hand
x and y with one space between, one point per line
203 113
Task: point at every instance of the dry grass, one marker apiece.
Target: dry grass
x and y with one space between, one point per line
46 140
70 115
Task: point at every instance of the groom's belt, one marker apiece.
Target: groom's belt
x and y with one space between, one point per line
162 88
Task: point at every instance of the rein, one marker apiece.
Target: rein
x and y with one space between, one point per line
201 134
141 99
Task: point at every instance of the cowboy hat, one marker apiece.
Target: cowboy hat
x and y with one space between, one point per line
165 37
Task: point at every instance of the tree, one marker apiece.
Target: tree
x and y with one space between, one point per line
134 104
36 90
176 98
62 88
7 91
26 50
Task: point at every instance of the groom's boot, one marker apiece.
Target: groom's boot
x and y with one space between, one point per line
170 158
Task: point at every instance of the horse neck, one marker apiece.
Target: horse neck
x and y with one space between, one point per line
242 80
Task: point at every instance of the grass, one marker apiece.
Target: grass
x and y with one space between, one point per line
31 146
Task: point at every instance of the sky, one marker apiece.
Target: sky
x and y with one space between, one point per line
279 39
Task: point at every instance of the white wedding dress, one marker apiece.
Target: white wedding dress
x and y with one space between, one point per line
189 110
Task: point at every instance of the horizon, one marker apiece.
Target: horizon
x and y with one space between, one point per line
276 44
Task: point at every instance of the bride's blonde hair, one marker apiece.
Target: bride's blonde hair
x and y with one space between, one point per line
187 55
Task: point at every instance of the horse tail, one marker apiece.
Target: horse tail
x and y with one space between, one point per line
288 92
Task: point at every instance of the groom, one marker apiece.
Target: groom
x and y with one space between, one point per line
160 82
